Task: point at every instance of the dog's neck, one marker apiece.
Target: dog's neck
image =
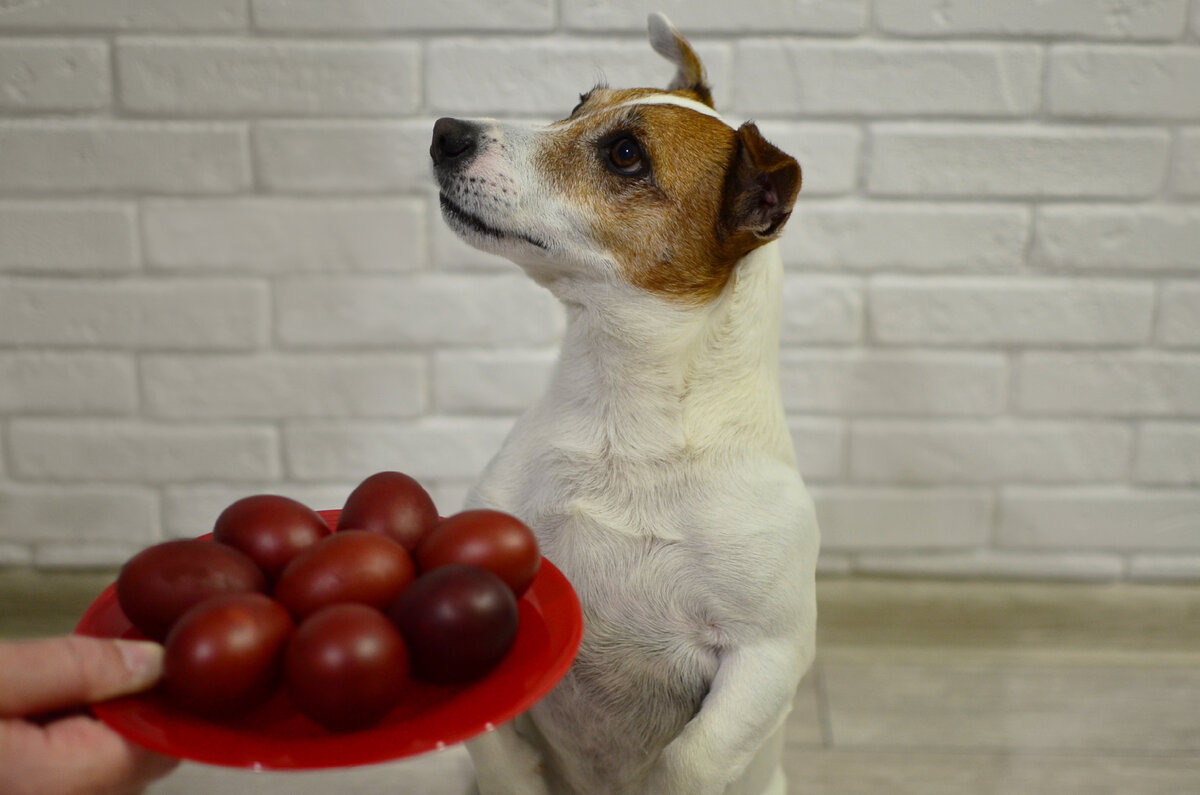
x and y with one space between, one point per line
643 379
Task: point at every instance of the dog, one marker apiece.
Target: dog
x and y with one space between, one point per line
657 471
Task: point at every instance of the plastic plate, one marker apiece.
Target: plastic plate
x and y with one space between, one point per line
431 717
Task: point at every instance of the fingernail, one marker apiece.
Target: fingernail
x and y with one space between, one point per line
143 659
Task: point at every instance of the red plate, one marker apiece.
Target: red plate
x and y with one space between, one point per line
431 717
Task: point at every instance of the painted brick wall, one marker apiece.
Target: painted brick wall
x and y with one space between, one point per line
222 270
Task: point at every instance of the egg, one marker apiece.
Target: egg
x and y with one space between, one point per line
270 529
492 540
346 667
161 583
459 621
391 504
350 566
224 656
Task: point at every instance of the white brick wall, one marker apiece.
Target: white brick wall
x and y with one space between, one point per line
223 271
49 75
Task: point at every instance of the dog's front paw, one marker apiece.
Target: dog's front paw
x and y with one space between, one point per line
678 773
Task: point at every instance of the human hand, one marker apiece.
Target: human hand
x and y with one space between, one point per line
74 754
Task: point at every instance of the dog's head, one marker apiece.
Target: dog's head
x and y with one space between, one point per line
642 185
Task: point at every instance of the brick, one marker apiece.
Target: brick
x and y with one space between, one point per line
917 159
820 445
878 519
1099 519
269 386
1136 239
474 382
129 451
432 448
1185 177
1006 311
787 77
373 16
76 513
177 314
828 154
1161 19
15 555
988 563
121 15
511 77
68 236
191 510
754 16
1168 454
821 310
982 453
907 236
263 77
1179 315
449 496
415 311
48 382
286 235
41 75
102 155
893 383
1123 82
343 156
833 564
1109 384
1165 568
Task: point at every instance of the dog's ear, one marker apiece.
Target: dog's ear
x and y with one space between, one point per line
670 44
760 186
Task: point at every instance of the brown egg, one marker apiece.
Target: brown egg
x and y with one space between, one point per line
391 504
224 656
492 540
459 621
350 566
161 583
270 530
346 666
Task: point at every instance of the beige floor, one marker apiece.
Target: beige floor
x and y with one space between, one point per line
919 687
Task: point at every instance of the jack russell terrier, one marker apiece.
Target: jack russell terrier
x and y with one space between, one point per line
657 471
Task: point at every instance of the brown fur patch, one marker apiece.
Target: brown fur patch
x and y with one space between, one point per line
666 229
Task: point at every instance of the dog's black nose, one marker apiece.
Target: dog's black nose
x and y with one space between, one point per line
454 141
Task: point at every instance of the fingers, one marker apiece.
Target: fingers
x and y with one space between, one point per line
75 756
51 674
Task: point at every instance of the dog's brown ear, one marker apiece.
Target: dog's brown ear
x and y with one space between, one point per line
760 187
670 44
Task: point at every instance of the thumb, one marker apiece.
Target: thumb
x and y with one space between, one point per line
56 673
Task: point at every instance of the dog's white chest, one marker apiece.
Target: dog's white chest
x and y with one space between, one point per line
658 611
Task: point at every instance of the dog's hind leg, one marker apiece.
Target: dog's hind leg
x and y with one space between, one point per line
506 763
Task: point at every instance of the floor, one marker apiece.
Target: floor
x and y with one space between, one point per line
921 687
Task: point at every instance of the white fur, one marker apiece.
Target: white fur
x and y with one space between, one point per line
678 101
658 474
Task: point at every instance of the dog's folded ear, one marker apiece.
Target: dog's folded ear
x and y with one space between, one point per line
760 186
670 44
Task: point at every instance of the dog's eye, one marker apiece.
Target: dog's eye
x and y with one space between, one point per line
626 157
